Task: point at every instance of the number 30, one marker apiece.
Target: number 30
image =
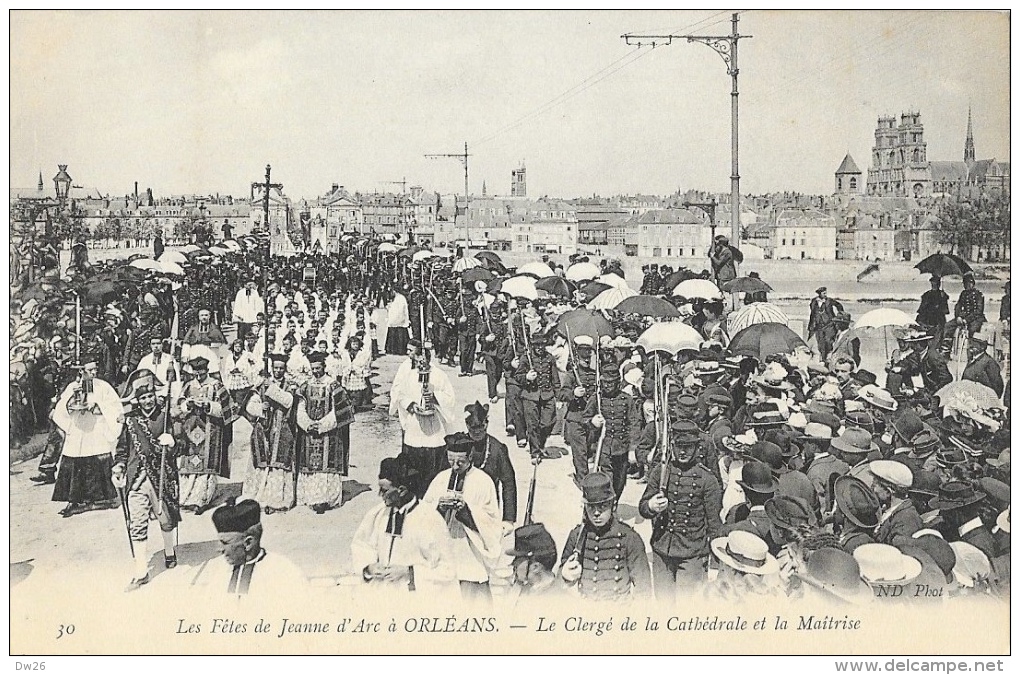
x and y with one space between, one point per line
63 630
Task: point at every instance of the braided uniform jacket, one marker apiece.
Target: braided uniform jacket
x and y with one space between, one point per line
575 405
613 564
691 520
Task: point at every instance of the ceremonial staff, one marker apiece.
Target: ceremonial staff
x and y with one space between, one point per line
664 402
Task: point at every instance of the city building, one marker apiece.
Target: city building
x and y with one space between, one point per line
519 182
544 226
672 233
803 234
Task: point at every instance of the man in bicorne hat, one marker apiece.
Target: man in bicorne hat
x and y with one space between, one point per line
146 466
206 412
270 410
324 414
244 566
400 544
466 499
603 557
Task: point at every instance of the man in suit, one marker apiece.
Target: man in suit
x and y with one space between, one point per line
981 367
493 457
959 505
899 519
822 321
759 486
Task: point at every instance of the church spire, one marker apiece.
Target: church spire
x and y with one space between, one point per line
40 182
968 147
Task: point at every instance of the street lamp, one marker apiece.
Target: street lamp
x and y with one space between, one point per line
62 182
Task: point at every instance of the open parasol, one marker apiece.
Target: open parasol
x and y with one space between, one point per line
538 270
584 322
765 339
556 286
520 287
697 288
465 263
647 305
745 285
584 271
756 312
943 265
671 337
610 298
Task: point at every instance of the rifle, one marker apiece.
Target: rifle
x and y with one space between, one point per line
573 358
665 435
598 404
531 491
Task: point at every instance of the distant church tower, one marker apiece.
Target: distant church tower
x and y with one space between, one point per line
485 191
848 178
519 182
40 182
968 146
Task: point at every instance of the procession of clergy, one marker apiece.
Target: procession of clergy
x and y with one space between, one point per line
787 476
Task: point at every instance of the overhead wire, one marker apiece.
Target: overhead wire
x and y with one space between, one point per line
602 74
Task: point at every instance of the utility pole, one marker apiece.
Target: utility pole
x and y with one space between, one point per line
726 47
265 187
463 157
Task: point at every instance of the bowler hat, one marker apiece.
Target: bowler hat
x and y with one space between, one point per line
788 513
862 419
836 572
856 501
925 484
771 454
864 377
907 424
924 443
757 477
956 495
597 488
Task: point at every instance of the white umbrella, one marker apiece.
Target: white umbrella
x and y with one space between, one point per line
217 250
583 271
520 287
418 256
388 247
539 269
146 264
230 245
190 248
882 317
610 298
614 281
698 288
670 337
465 263
757 312
173 256
169 267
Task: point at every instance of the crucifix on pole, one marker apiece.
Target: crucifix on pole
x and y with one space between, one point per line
265 187
463 157
726 47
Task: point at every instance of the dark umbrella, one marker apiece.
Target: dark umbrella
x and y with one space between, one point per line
676 278
408 252
762 340
100 292
592 290
647 305
556 286
943 265
490 256
491 265
494 285
477 274
745 285
584 322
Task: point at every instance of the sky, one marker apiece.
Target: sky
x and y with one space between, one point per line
200 102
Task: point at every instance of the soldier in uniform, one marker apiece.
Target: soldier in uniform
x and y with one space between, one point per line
510 354
146 465
541 381
617 417
270 411
491 348
578 385
469 322
206 412
604 558
684 502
